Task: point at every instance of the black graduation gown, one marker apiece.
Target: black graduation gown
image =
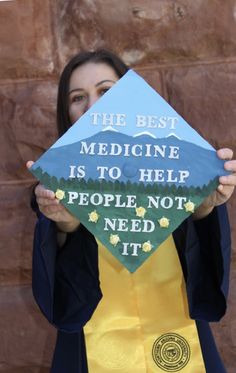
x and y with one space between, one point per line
66 283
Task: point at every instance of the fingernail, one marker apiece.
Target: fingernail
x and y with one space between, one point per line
223 179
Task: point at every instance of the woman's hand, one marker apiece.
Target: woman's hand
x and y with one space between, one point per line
53 209
225 188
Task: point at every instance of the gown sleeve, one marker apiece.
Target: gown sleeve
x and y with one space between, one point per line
204 248
65 280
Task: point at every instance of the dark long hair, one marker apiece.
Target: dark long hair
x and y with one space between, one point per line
63 120
101 55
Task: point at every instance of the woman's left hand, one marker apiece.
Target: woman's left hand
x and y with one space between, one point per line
225 188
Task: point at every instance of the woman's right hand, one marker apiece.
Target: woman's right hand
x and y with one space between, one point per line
51 207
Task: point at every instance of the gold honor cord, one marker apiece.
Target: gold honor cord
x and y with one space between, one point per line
142 323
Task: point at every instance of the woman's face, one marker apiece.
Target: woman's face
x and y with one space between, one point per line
88 83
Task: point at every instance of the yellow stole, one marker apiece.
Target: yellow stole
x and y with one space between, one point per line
142 323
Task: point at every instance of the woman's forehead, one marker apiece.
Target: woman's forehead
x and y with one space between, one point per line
90 73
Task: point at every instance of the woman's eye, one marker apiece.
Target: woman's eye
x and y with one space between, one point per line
78 98
103 91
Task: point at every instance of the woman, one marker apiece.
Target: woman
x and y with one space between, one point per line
154 320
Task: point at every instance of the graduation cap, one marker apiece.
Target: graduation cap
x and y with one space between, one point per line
131 169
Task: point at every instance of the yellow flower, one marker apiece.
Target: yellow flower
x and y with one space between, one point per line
114 239
147 246
140 211
93 216
60 194
189 206
164 222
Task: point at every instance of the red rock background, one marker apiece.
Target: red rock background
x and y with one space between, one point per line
184 49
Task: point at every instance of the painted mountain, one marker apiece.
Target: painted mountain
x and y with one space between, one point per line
131 154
